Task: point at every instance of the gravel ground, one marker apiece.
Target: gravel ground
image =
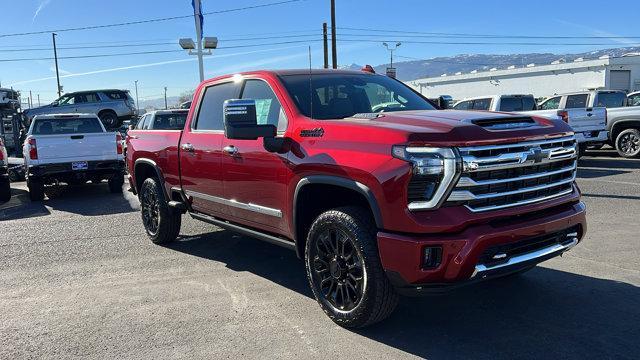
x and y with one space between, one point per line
79 278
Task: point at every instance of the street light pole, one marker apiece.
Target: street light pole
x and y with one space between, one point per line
165 98
196 16
334 54
137 102
55 56
391 50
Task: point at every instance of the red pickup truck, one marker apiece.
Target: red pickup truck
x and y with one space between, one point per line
378 191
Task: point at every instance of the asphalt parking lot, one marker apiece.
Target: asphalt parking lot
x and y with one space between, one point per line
79 278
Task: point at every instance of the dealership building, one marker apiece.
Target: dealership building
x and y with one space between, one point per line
541 80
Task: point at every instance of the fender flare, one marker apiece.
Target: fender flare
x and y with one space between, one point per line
358 187
622 124
157 171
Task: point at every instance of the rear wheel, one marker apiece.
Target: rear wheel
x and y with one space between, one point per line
161 223
5 189
344 269
628 143
36 189
109 119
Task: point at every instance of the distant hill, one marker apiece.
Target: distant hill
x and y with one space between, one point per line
417 69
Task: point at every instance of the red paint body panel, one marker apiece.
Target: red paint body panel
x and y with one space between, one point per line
358 150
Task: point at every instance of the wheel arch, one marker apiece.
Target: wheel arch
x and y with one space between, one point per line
621 125
143 169
349 191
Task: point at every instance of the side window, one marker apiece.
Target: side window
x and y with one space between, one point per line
142 123
210 116
464 105
551 104
481 104
577 101
268 108
511 104
91 97
67 100
634 100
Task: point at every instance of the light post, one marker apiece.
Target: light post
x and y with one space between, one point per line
137 102
209 42
391 71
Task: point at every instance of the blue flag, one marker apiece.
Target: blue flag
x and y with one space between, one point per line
193 4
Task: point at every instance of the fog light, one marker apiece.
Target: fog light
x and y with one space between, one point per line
432 257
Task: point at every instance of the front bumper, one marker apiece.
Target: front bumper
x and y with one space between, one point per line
463 253
591 137
62 171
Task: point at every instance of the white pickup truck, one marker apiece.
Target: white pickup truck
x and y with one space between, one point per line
623 119
588 122
72 149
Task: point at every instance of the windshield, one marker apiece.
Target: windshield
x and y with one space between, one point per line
338 96
66 126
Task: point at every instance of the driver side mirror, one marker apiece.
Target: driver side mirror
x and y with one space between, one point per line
241 121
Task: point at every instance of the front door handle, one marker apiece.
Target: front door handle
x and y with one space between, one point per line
589 114
187 147
230 149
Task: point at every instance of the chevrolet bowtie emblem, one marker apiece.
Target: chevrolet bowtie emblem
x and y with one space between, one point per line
537 155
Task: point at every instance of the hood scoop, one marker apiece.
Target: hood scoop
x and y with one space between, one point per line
505 123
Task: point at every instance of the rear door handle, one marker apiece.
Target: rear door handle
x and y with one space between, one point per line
230 149
187 147
589 114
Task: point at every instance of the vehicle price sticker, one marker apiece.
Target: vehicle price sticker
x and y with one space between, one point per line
79 165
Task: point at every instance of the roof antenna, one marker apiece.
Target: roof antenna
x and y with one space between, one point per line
310 85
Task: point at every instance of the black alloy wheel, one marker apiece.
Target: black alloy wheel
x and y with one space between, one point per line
628 143
161 223
150 205
339 269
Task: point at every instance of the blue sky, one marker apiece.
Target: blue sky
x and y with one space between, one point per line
299 21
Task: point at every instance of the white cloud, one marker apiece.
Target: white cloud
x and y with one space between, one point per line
43 4
597 32
61 71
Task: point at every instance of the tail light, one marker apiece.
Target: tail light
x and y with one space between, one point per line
564 115
33 148
119 144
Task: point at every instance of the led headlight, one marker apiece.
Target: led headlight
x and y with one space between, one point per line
433 171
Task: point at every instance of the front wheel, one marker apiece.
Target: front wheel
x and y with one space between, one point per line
628 143
161 223
344 269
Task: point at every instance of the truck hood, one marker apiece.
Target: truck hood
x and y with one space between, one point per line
465 127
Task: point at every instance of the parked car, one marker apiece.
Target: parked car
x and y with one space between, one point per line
633 99
112 106
73 149
173 119
588 123
623 122
405 200
5 183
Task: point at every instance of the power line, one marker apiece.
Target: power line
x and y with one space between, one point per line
476 42
468 35
91 27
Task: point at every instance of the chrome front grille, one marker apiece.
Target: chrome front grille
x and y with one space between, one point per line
502 176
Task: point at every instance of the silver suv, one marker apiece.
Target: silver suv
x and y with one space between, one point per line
112 106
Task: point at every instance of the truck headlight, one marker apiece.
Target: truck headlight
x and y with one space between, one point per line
433 171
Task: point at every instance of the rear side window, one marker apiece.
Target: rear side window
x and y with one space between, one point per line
174 121
517 103
116 95
577 101
210 116
551 104
481 104
611 99
67 126
634 100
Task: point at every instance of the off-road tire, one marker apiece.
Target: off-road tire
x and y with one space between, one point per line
36 189
152 203
378 298
5 189
628 143
115 184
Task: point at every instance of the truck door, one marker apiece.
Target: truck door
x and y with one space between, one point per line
254 179
201 150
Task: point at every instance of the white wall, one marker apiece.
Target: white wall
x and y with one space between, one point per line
538 84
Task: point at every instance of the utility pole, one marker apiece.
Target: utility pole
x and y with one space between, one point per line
137 102
55 56
38 100
165 98
334 55
197 15
325 45
30 99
